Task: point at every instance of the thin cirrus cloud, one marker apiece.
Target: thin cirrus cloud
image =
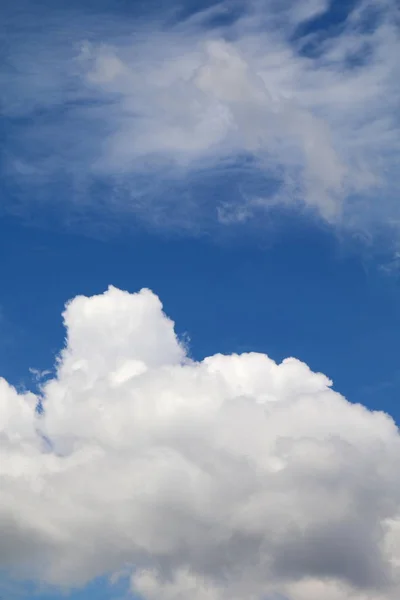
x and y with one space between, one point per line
147 109
232 477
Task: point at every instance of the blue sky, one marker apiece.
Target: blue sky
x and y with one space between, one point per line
237 160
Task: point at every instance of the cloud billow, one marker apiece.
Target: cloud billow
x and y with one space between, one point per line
231 477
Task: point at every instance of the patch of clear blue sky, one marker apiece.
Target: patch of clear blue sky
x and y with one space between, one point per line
99 589
308 36
298 293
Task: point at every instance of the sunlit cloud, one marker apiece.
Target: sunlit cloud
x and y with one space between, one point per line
231 477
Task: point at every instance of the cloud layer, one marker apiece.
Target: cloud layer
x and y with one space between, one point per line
233 477
147 115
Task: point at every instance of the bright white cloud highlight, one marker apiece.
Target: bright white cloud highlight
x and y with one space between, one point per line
233 477
155 107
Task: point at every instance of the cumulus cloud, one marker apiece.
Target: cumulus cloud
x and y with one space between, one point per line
153 108
232 477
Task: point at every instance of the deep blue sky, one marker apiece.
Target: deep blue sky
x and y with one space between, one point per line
302 291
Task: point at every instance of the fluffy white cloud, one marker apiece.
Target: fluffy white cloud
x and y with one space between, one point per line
227 478
155 104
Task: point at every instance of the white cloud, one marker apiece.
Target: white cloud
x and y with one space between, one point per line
227 478
155 106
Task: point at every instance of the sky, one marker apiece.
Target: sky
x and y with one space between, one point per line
199 308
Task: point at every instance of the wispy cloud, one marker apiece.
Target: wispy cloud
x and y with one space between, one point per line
132 115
